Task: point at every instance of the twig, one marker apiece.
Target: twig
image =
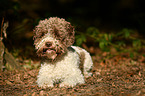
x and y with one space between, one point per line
2 26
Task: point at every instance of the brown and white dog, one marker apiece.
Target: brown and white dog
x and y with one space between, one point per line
61 62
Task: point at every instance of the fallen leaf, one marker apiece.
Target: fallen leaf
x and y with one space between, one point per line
34 94
41 93
8 82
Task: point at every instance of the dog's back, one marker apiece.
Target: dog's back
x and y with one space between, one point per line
86 62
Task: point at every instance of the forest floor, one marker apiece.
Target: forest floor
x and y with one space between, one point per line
117 75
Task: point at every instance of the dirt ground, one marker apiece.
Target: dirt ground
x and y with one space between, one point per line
119 75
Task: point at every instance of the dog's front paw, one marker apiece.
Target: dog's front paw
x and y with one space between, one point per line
44 83
87 74
46 86
65 84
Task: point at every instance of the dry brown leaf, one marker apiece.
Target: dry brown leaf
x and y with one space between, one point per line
8 82
41 93
34 94
25 95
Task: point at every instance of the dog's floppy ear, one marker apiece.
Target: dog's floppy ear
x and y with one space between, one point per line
69 35
62 30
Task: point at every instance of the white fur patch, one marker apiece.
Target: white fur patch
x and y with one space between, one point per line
65 70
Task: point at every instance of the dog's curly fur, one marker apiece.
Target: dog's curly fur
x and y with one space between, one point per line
61 62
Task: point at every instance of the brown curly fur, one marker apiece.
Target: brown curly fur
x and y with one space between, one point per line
58 28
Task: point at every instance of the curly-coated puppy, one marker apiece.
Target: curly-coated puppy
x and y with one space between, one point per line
61 62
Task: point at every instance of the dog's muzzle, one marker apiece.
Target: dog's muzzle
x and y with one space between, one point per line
48 50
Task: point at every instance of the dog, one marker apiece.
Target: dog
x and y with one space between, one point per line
61 62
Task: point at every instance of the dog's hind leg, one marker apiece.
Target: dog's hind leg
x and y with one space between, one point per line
86 62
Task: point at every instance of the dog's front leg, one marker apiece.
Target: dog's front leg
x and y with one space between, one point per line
44 78
44 82
73 79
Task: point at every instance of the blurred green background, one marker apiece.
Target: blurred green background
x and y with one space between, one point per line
103 24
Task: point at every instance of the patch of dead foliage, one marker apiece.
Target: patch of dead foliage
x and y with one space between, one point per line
118 75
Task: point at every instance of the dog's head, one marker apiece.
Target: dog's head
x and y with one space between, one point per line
52 37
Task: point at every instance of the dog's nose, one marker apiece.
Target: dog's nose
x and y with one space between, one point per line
48 44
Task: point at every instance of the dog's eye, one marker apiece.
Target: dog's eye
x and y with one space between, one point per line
63 39
42 34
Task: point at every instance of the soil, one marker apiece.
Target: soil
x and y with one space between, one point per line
119 75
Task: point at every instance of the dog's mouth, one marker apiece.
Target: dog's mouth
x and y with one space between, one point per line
49 53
